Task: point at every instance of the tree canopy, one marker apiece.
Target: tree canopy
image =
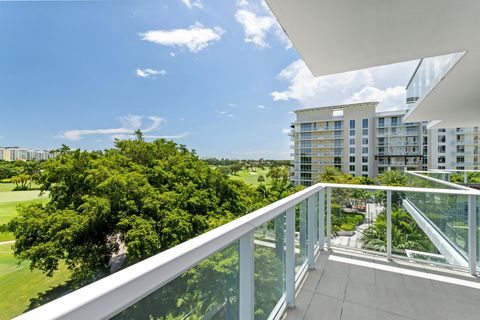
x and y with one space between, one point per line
147 196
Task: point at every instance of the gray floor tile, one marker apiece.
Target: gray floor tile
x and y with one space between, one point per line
324 308
382 315
302 301
361 293
333 286
352 311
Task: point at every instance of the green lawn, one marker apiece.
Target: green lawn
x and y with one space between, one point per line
4 187
251 177
20 288
9 201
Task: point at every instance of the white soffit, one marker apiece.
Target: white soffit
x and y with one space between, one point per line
335 36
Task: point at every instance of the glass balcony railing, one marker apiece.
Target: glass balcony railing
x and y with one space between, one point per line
251 268
430 71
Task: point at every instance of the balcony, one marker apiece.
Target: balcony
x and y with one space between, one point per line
268 256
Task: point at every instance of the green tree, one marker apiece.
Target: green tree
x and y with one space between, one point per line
148 196
406 234
261 179
32 169
21 181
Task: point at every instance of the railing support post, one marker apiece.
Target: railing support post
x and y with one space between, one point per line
290 258
465 177
311 232
246 266
472 234
389 225
321 226
329 216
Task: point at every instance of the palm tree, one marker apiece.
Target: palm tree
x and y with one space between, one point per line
406 234
32 169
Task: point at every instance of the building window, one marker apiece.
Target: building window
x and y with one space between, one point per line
394 130
352 159
364 159
305 126
441 167
338 124
441 149
461 148
364 123
441 139
461 168
352 150
442 130
365 132
352 141
460 159
352 168
352 124
394 121
352 133
381 122
365 141
441 159
365 150
365 168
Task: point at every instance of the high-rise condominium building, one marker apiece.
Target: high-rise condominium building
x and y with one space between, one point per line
340 136
24 154
354 138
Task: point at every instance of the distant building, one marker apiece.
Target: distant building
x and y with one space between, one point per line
24 154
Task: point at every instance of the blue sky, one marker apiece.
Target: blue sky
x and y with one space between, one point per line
216 75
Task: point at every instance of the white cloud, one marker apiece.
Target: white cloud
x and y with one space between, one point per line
2 137
261 107
195 38
285 130
224 113
150 73
383 84
193 3
255 27
129 124
258 23
172 54
390 98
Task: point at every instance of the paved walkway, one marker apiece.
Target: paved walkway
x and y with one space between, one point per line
361 287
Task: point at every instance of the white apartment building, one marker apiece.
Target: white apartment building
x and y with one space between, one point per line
340 136
24 154
398 143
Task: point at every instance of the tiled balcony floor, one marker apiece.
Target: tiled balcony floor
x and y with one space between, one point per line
347 287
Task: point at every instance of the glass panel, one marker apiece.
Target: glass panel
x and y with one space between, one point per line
354 212
448 215
301 235
408 238
269 266
207 291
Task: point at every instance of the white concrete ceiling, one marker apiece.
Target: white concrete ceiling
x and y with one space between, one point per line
335 36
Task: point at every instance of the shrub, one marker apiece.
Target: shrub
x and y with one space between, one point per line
347 227
8 180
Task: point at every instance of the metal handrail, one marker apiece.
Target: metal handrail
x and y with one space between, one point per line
110 295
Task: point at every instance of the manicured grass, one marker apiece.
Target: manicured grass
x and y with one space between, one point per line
251 177
9 201
20 287
5 187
